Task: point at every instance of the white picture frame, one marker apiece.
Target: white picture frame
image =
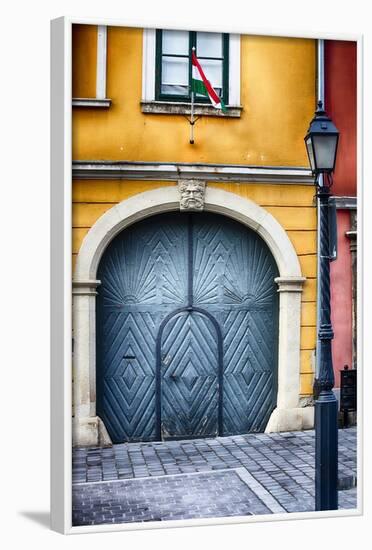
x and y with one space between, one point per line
61 289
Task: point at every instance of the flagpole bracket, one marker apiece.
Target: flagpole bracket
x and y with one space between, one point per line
192 122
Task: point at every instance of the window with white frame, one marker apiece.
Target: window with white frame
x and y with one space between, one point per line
173 63
167 68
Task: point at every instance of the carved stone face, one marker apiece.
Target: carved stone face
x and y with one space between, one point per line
192 194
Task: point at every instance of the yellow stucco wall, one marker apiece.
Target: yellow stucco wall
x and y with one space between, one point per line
277 95
278 98
291 205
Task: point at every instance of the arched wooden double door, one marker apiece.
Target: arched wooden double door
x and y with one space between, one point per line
187 329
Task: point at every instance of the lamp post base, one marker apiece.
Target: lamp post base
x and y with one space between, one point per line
326 451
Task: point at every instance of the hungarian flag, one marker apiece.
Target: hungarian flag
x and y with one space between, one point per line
200 85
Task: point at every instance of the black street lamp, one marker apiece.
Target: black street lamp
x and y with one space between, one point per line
321 143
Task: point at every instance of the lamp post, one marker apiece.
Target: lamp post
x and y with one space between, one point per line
321 143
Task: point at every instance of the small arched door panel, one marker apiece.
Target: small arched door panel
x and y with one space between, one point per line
190 362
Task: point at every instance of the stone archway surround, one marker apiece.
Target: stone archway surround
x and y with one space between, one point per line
88 429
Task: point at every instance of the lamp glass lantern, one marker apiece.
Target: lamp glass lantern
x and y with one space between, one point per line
321 142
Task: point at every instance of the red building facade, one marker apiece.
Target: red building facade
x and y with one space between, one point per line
340 92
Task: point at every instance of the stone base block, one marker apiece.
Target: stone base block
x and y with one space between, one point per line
290 420
90 432
104 439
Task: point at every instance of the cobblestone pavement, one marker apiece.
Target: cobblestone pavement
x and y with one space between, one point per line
142 481
183 496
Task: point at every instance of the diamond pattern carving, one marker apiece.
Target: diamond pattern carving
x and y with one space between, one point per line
189 376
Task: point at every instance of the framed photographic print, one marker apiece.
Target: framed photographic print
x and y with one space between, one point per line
205 357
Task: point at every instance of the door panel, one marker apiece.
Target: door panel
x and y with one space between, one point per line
127 405
143 275
234 275
189 377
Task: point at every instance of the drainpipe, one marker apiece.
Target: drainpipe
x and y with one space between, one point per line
321 97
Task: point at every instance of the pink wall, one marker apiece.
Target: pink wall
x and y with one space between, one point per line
341 298
340 102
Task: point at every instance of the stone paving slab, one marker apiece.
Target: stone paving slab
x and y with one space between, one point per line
281 463
182 496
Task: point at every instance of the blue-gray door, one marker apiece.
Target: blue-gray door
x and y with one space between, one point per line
187 330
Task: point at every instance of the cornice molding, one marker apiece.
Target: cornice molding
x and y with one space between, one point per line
290 284
174 171
91 102
85 288
345 203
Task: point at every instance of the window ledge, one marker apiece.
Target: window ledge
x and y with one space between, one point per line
91 102
180 108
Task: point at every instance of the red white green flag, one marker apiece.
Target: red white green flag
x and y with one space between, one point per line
200 85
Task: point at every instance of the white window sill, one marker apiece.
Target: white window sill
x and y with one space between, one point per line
91 102
181 108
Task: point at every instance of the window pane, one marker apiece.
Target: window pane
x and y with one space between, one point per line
175 90
176 42
175 75
209 44
213 71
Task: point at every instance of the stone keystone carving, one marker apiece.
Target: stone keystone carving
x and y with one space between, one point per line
191 194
